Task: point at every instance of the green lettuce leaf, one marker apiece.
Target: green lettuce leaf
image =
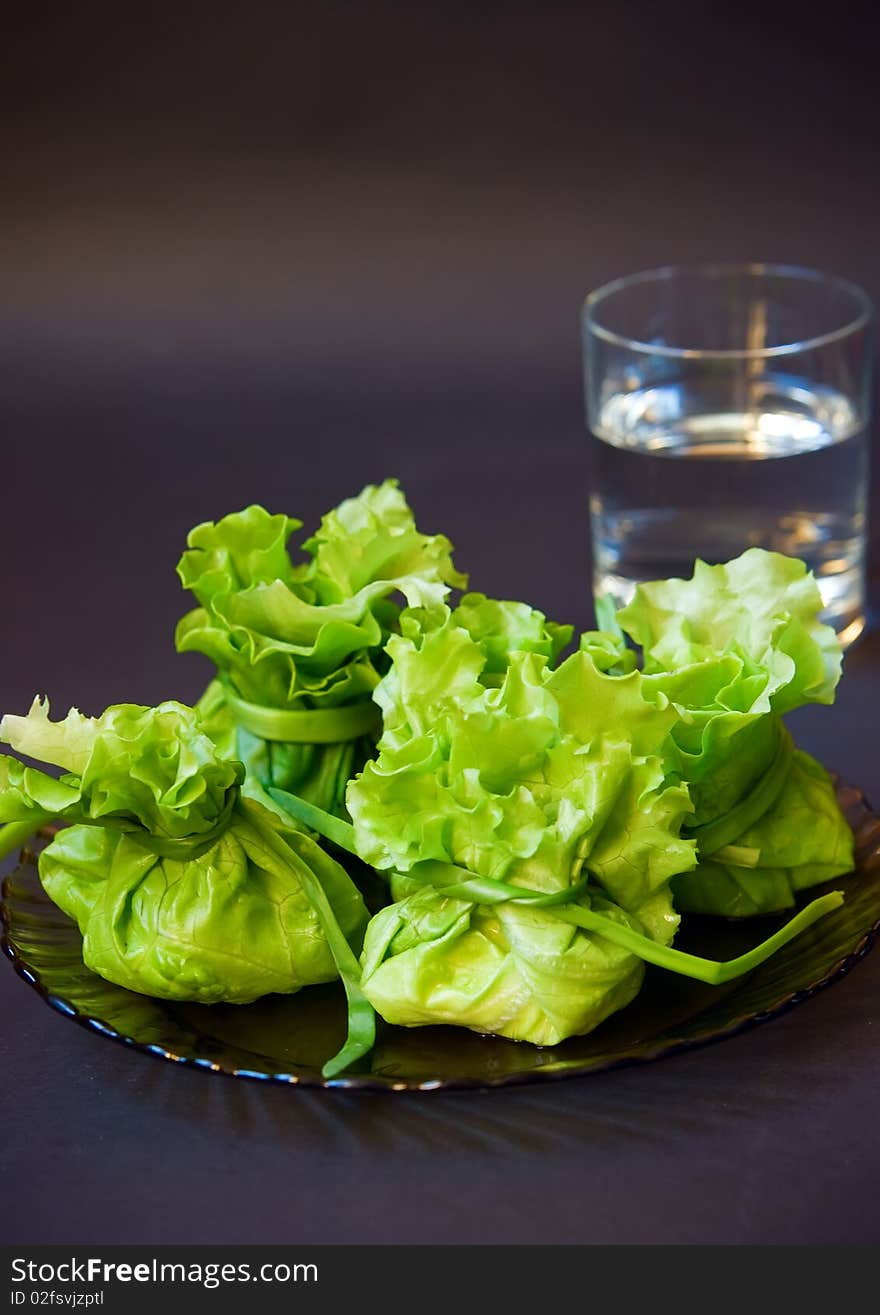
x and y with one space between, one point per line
232 924
286 634
373 539
507 970
724 739
502 628
802 840
762 606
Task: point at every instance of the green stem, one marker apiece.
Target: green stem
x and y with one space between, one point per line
307 725
306 814
485 890
737 856
15 834
457 883
454 882
691 965
725 830
361 1015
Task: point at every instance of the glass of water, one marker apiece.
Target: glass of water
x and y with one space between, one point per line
729 408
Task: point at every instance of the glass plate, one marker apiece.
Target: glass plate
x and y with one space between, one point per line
287 1038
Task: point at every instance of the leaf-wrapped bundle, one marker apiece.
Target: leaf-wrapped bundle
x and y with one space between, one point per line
733 649
527 774
180 888
298 646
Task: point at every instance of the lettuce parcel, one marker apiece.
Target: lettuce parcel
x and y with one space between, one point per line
733 649
298 645
180 887
546 779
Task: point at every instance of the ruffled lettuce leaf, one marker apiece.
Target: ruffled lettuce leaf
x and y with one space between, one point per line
476 645
607 646
762 607
373 539
725 737
291 635
535 781
502 628
154 767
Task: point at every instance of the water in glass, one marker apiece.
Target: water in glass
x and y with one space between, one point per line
677 476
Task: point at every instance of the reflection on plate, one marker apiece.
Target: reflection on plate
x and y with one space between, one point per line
287 1038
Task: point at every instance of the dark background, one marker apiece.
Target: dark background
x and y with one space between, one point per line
269 253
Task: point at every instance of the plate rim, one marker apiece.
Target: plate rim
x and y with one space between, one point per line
864 822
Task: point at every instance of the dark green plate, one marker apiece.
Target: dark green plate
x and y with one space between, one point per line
287 1038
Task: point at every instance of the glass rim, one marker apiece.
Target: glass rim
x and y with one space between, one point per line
665 273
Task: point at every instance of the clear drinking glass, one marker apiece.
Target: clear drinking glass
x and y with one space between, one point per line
729 407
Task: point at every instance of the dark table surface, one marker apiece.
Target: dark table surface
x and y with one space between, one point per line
196 315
